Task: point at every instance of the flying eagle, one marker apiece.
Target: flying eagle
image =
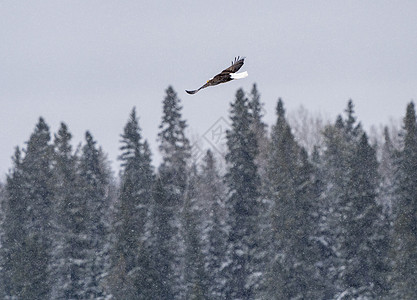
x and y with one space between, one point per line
225 75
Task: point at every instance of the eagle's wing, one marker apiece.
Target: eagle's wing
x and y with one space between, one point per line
195 91
236 65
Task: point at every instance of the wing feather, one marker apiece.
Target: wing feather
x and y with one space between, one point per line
236 65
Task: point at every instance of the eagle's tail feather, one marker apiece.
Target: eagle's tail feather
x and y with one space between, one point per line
239 75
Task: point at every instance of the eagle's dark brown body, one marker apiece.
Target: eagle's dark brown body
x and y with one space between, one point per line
225 76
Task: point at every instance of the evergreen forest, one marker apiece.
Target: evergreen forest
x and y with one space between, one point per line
276 216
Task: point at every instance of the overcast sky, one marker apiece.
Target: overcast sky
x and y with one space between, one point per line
87 63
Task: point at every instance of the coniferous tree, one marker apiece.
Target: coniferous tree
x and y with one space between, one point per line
260 130
195 275
37 170
37 176
353 224
366 228
175 150
14 229
292 271
387 171
386 198
174 146
340 140
27 246
94 182
211 191
405 208
256 109
69 221
162 235
242 203
321 252
135 200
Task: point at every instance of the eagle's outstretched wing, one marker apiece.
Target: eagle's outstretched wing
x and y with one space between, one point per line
236 65
202 87
225 75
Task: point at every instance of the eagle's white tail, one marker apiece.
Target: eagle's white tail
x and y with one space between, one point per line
239 75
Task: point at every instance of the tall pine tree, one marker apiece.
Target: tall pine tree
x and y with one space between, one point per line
211 192
136 187
405 212
174 146
172 182
352 224
12 250
195 275
163 253
69 220
27 242
260 130
291 273
95 179
366 228
340 140
242 203
387 170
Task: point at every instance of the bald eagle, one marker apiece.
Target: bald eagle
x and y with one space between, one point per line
225 75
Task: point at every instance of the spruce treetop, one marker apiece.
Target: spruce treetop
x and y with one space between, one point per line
62 140
172 126
131 140
255 106
410 126
40 138
280 109
174 145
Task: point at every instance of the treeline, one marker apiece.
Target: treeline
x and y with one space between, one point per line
337 221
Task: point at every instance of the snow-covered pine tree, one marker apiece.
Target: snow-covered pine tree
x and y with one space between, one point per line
135 199
174 146
27 241
387 170
242 204
319 234
351 225
172 175
12 252
256 107
340 140
260 129
195 275
94 182
163 254
69 220
405 217
291 273
366 229
211 194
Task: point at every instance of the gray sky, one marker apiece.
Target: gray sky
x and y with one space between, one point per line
87 63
